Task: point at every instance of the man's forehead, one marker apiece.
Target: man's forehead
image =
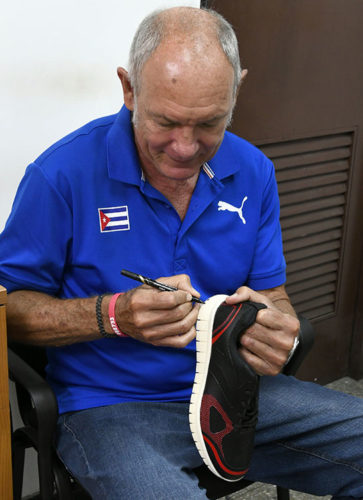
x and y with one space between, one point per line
176 54
176 65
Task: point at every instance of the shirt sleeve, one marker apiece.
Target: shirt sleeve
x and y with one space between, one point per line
268 268
37 236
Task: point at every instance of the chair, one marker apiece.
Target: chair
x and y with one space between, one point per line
39 412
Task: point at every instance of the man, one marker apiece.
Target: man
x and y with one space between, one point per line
147 190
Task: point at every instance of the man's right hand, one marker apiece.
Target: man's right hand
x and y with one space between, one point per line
159 318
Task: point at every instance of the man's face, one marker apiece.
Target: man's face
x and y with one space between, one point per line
181 114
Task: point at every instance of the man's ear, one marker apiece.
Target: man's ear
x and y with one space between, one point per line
127 88
243 77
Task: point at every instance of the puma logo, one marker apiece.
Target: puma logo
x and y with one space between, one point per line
223 205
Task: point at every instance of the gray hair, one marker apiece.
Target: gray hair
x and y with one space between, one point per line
151 32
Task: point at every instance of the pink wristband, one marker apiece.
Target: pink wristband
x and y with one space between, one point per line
111 315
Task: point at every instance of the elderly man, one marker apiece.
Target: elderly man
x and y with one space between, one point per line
162 189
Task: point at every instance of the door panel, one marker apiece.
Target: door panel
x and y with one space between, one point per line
302 104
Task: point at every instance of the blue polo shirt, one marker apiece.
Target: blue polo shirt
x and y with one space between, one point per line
84 211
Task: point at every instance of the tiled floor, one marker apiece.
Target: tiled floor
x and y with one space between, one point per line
259 491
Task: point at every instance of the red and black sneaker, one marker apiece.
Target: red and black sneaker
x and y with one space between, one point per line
224 403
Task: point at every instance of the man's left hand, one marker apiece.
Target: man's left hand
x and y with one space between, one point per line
266 345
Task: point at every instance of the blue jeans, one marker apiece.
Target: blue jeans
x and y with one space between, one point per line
308 438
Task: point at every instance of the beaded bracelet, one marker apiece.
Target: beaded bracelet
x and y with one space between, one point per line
100 324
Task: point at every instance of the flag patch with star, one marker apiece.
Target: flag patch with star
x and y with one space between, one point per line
114 219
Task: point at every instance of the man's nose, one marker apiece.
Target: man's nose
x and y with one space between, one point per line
185 144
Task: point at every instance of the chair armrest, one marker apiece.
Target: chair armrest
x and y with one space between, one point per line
37 403
306 341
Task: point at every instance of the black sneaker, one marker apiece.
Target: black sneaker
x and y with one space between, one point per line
224 403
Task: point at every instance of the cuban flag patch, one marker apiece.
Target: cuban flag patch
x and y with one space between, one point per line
114 219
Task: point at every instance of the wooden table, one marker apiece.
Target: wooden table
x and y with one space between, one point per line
6 489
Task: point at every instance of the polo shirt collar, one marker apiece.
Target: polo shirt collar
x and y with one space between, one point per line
122 157
123 160
225 162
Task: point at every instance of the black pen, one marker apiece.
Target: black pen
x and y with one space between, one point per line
155 284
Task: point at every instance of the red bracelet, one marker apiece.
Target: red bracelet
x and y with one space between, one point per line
111 315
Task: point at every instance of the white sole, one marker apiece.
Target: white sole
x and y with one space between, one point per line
204 329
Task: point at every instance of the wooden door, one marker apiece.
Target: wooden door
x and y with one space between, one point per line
302 104
5 441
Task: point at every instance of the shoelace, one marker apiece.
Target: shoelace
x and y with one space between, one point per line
245 413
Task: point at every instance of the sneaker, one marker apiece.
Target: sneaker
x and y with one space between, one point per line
224 402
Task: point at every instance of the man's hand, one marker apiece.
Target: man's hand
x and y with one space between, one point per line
266 344
159 318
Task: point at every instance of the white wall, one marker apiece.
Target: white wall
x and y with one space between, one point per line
58 63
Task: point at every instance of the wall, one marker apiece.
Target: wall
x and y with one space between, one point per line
58 71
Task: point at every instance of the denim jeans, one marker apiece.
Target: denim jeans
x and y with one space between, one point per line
309 438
